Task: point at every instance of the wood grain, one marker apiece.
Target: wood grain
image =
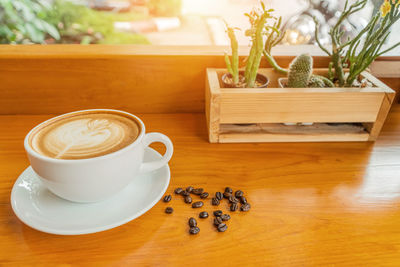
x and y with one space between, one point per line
313 204
141 79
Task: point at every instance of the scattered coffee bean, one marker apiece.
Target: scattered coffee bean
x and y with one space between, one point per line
228 190
233 199
227 194
219 195
185 193
217 221
194 230
178 190
245 207
203 214
217 213
188 199
225 217
222 227
192 222
169 210
243 200
167 198
204 195
197 204
215 201
234 207
189 189
197 191
239 193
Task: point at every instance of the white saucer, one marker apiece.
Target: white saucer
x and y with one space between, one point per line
40 209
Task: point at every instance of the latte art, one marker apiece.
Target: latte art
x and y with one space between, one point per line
85 136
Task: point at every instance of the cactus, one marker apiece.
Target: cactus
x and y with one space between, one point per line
326 81
274 36
257 20
300 71
315 82
233 67
358 53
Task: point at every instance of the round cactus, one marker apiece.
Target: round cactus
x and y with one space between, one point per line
300 71
316 82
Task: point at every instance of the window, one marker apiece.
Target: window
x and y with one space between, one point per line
164 22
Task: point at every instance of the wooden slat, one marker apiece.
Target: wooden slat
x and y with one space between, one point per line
278 138
212 108
299 107
277 132
56 79
277 105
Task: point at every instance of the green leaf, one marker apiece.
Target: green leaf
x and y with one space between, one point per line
34 34
50 29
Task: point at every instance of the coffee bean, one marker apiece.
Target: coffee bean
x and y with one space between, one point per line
192 222
234 207
197 204
219 195
217 213
178 190
227 194
185 193
167 198
217 221
228 190
194 230
225 217
197 191
243 200
239 193
214 201
245 207
233 199
189 189
204 195
188 199
203 214
222 227
169 210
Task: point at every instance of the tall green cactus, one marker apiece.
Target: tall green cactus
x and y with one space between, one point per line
233 67
258 19
300 71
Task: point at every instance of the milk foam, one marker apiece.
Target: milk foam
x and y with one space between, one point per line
85 137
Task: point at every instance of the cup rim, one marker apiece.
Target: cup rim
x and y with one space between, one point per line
32 152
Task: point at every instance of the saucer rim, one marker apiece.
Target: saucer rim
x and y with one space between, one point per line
89 230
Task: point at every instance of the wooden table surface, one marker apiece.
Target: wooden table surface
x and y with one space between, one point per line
328 204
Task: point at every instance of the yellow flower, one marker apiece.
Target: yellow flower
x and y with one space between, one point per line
385 8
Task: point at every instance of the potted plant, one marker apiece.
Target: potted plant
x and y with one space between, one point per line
349 58
249 77
343 102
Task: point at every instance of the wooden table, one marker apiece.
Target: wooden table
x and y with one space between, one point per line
312 204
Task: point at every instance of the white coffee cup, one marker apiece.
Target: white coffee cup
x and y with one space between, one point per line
98 178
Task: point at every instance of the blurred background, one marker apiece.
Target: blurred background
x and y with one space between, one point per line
166 22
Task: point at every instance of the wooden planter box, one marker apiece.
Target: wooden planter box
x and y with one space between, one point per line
257 115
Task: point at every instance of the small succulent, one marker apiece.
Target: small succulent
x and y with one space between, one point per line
300 74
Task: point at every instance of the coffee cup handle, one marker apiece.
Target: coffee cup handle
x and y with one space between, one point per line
154 165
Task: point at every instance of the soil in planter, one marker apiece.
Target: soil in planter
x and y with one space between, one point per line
241 83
